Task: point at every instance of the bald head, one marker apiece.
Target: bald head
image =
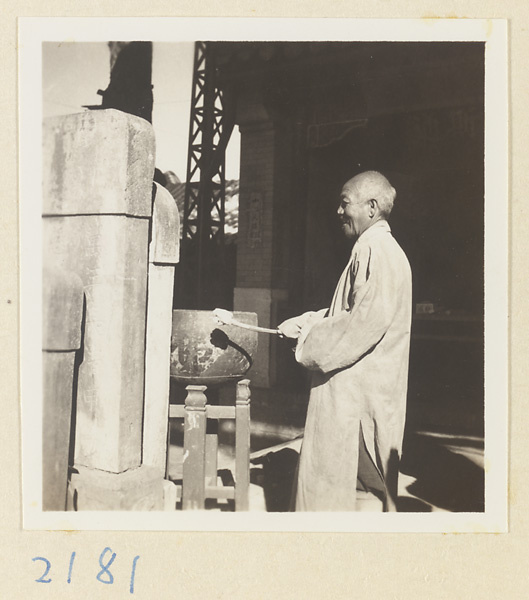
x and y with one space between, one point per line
372 185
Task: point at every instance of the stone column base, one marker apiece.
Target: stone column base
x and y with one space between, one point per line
136 489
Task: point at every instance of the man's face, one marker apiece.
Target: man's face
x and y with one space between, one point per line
353 212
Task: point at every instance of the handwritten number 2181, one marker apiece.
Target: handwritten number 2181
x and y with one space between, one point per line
106 558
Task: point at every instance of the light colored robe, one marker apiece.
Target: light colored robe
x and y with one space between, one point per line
358 351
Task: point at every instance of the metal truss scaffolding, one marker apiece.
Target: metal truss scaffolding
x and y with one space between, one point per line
211 124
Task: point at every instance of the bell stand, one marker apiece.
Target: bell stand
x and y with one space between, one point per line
199 480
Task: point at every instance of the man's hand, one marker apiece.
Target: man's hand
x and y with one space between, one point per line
291 327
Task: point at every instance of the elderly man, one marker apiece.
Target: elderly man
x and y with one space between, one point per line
358 352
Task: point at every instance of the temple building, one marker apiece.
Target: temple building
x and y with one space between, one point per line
311 116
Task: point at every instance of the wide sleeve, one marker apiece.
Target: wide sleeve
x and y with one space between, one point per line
341 340
291 328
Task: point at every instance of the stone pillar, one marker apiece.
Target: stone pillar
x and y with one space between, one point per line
98 170
163 255
62 307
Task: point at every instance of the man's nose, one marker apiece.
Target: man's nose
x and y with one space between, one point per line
340 210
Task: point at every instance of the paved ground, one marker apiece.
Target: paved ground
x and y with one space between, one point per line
441 470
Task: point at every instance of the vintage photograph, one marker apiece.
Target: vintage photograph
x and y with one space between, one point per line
264 279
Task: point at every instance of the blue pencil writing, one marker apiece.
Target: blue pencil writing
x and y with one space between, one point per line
72 558
133 574
48 565
105 567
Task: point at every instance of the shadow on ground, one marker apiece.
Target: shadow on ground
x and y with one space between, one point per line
440 469
444 478
276 477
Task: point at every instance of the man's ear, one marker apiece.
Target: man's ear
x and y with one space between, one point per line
373 205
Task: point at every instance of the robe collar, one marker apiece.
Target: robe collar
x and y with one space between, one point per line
381 226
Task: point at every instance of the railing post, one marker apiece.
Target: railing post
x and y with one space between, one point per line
194 476
242 445
212 447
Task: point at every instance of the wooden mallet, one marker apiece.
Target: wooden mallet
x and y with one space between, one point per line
226 317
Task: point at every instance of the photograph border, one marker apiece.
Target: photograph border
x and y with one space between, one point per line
34 31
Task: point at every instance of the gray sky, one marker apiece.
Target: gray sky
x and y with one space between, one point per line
73 72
